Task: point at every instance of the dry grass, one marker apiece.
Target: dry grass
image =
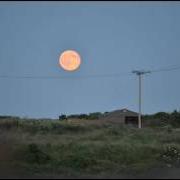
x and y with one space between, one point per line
83 148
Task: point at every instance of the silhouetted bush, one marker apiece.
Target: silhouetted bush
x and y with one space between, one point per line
63 117
73 116
83 116
89 116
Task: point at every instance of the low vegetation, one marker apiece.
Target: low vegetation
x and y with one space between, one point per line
73 148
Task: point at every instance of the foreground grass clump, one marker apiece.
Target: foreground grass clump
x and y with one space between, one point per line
89 148
33 154
171 156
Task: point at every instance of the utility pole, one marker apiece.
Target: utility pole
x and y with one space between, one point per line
140 73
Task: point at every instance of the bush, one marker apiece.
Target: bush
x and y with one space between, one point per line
175 119
90 116
83 116
171 156
95 115
63 117
162 115
73 116
34 154
162 119
9 123
168 128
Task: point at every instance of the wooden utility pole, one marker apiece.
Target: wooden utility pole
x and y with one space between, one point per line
140 73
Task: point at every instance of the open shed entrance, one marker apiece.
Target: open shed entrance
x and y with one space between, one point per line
131 120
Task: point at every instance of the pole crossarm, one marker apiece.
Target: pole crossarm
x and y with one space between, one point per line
141 72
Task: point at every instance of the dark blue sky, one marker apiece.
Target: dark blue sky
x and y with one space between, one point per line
112 37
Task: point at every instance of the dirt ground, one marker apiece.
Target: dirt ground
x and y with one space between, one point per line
9 171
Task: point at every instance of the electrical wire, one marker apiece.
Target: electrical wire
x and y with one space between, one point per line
66 77
166 69
86 76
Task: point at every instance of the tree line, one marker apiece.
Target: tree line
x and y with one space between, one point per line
163 119
90 116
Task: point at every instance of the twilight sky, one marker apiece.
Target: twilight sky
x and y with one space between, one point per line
111 37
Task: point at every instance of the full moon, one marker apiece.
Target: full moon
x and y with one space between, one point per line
70 60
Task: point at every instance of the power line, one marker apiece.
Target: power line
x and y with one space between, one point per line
86 76
166 69
66 77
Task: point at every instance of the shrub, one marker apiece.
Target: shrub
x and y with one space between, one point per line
95 115
162 115
9 123
83 116
34 154
171 156
175 119
168 128
63 117
73 116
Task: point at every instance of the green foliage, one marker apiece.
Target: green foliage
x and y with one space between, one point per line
83 116
89 116
73 116
9 123
95 115
94 147
162 115
162 119
34 154
52 127
171 156
102 148
175 118
63 117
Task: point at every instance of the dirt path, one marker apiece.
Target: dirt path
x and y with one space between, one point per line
5 160
155 174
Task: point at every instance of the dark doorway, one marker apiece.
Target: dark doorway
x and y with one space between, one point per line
131 120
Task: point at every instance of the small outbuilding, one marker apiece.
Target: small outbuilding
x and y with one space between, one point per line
123 116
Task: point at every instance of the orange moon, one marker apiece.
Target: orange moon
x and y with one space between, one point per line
70 60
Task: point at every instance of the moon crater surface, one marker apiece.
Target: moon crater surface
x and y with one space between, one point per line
70 60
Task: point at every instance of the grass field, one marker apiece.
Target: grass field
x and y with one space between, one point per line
81 148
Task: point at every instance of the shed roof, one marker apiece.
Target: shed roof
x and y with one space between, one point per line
120 114
125 112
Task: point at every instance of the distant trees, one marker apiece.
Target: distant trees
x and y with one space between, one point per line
175 118
9 117
63 117
89 116
73 116
162 115
163 119
95 115
159 119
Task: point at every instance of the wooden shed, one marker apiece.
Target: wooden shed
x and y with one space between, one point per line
123 116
